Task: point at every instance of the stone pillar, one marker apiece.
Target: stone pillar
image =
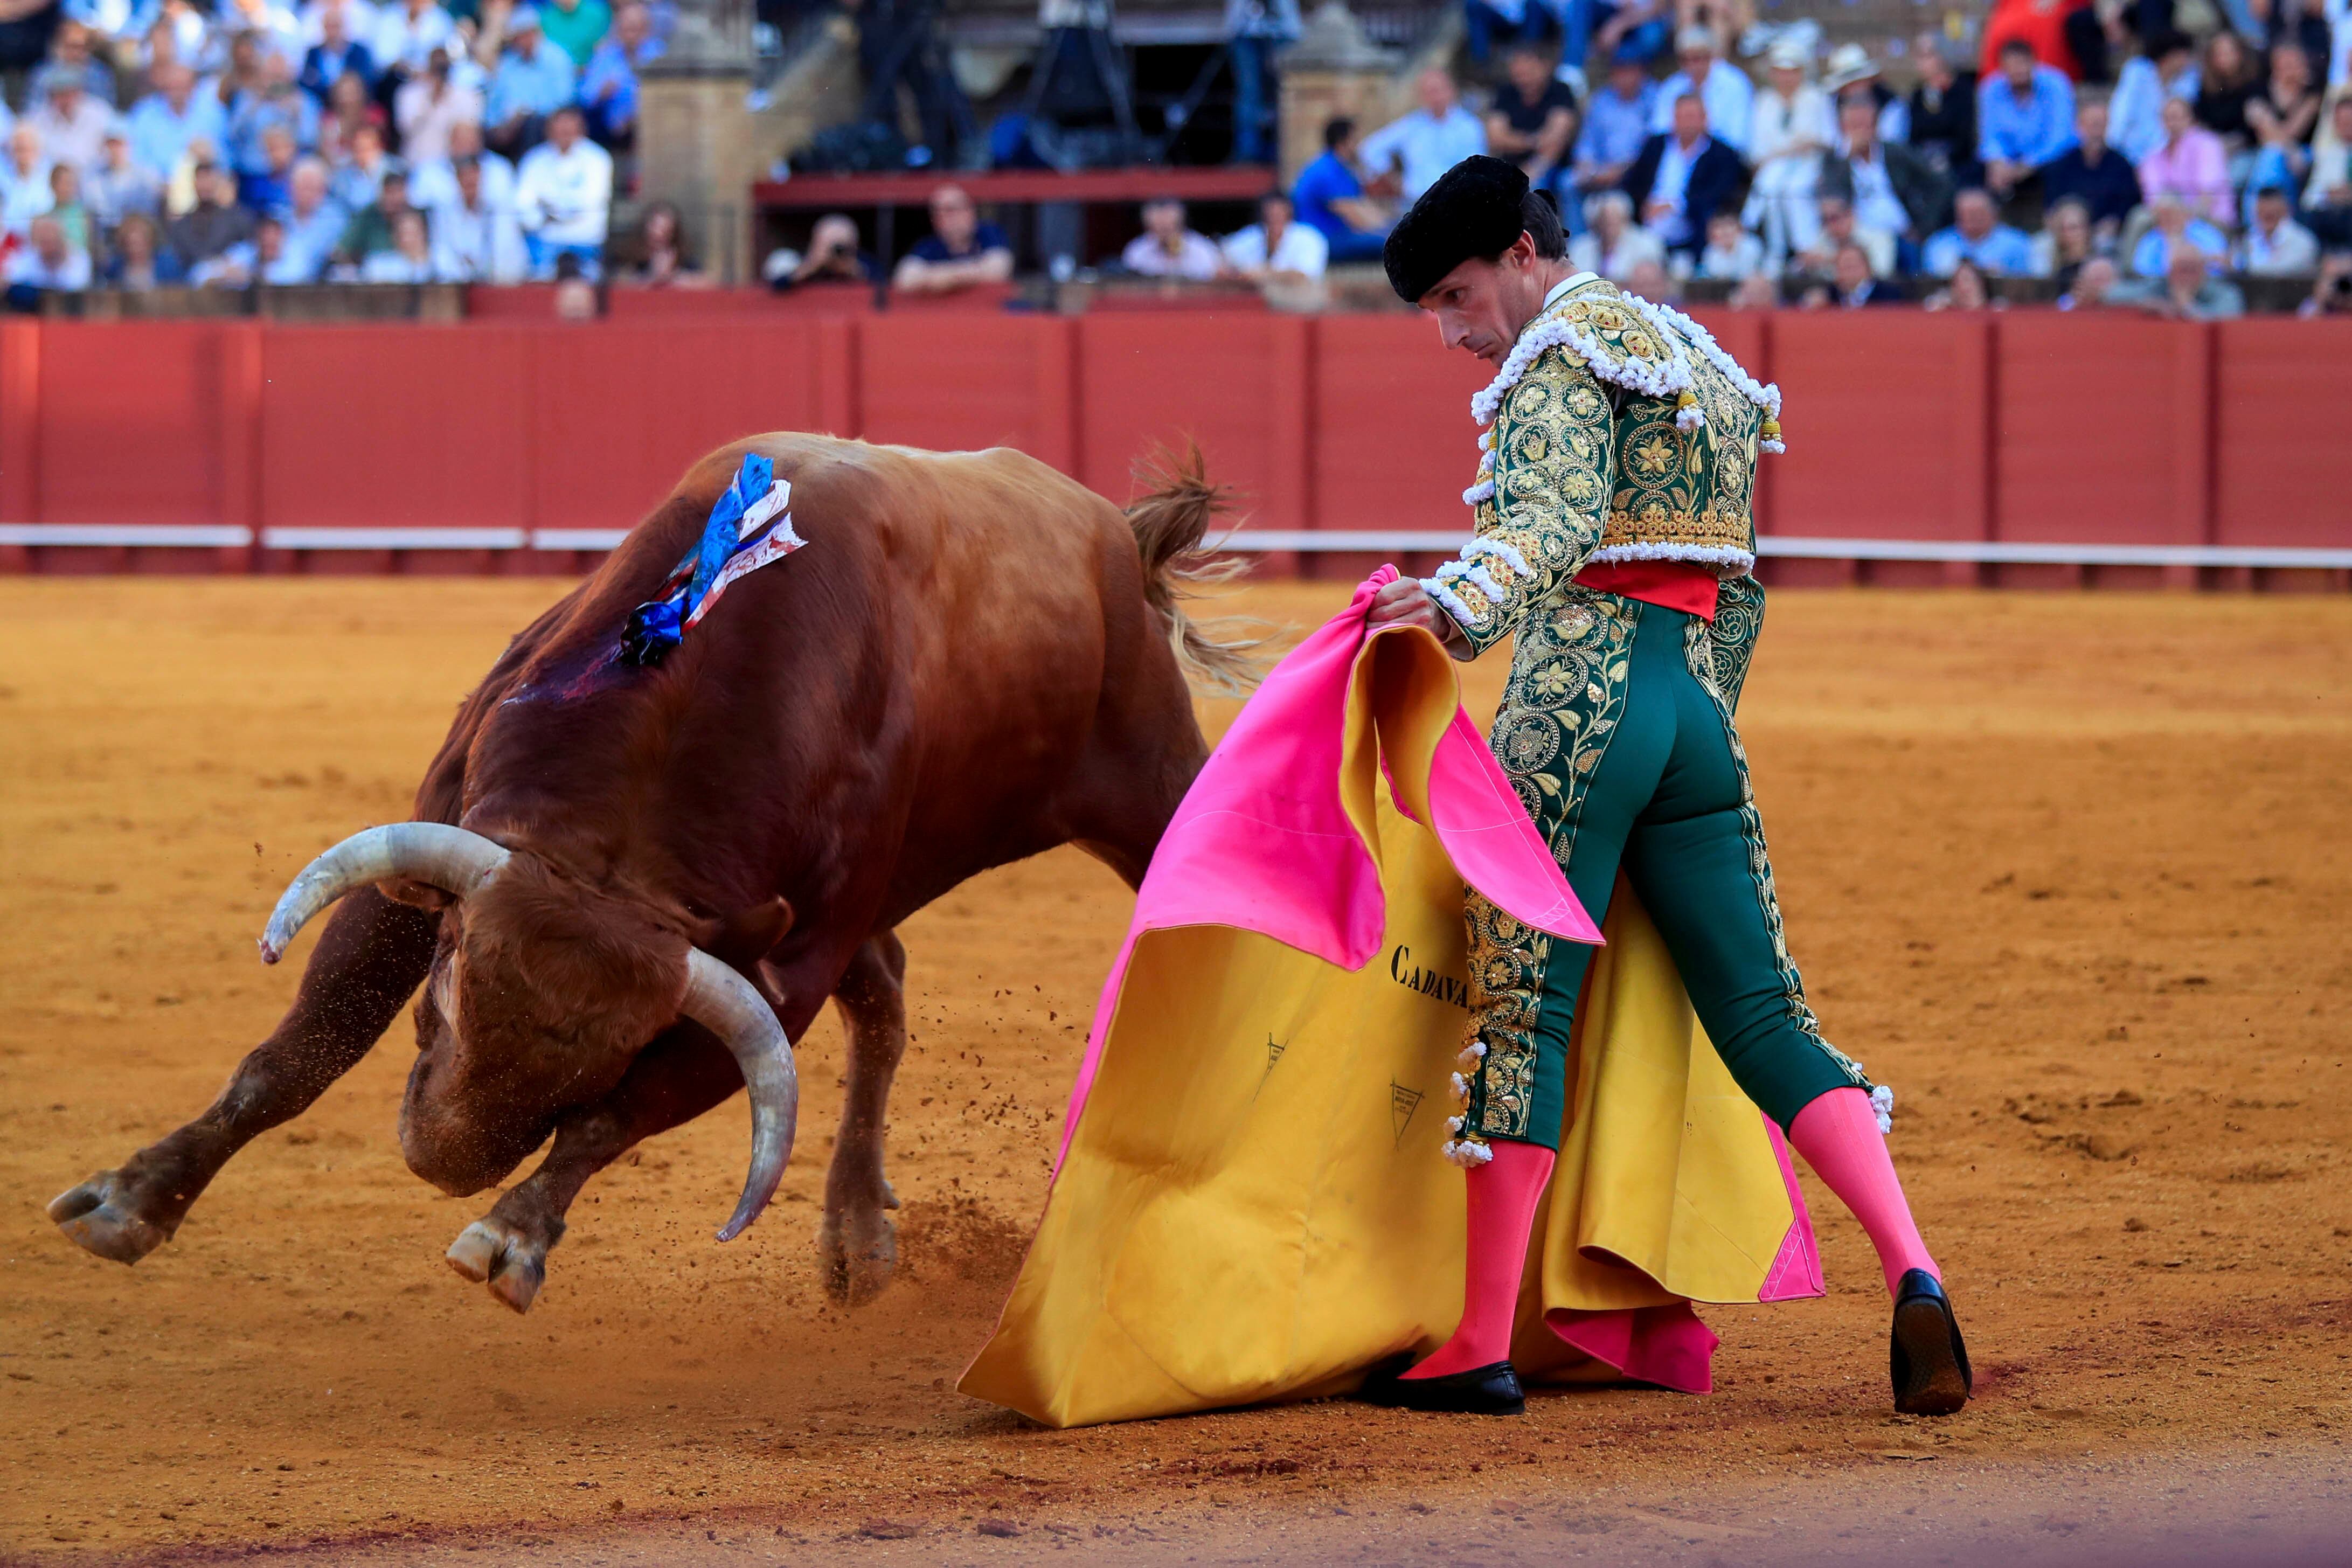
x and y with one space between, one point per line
696 143
1333 69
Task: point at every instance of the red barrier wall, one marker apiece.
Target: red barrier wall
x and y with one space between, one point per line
2022 427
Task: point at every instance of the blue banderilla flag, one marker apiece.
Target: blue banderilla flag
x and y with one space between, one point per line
750 525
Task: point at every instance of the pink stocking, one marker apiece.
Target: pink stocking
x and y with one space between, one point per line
1838 1135
1502 1193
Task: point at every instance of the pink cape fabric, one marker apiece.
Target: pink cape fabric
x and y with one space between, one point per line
1264 842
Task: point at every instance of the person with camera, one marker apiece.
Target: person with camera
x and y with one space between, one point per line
833 257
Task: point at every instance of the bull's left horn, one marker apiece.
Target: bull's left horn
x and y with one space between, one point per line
724 1003
450 858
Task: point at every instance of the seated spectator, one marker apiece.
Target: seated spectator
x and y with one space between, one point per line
1854 281
48 263
2275 244
410 257
2175 229
1851 72
2226 83
1731 252
67 206
1840 227
657 255
214 223
428 106
2190 290
1167 248
2092 173
269 189
72 124
2025 118
1728 95
349 109
834 256
140 261
1613 245
121 185
167 120
2283 117
474 239
1943 110
961 251
1981 239
2189 163
1616 127
534 79
2327 194
370 229
608 88
1277 248
563 196
1965 290
2035 26
1650 281
1533 119
1638 30
431 185
2331 291
269 23
1330 199
274 103
2066 243
1892 190
1482 21
1684 174
336 55
265 260
2136 113
407 32
359 175
2092 286
1790 130
1758 294
73 49
25 189
313 221
576 26
1426 142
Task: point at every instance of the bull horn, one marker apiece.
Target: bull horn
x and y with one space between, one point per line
435 853
723 1002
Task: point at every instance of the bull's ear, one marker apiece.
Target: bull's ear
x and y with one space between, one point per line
417 895
742 938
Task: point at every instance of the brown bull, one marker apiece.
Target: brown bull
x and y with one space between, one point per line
628 889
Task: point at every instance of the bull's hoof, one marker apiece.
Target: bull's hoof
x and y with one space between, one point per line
96 1217
488 1252
860 1252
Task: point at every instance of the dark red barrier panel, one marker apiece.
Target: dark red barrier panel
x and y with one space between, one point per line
1237 384
133 424
2100 429
1394 445
398 426
2283 433
967 382
1886 425
603 461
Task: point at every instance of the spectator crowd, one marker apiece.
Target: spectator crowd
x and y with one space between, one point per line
157 143
2092 146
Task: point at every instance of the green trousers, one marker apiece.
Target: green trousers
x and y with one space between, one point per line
1668 802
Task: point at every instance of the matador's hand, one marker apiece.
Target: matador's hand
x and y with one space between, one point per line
1405 603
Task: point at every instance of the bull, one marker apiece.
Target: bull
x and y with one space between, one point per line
626 890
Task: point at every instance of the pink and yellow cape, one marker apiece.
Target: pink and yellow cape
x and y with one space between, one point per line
1250 1205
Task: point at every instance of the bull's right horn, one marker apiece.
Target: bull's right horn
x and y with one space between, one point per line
724 1003
450 858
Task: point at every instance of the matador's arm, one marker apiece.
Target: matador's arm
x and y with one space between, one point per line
1552 473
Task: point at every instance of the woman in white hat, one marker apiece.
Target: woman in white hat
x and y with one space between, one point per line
1790 127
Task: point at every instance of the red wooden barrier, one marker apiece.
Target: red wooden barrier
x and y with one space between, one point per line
2005 429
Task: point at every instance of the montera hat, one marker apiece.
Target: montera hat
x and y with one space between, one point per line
1475 208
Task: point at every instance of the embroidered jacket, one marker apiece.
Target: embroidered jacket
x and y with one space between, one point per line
1617 430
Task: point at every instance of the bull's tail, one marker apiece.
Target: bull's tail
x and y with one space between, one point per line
1171 521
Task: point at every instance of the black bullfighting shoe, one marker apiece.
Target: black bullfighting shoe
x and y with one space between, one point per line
1490 1390
1925 1354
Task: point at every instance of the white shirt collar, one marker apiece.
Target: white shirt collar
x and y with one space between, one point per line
1565 284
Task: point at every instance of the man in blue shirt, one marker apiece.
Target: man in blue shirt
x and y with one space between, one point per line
1330 199
1977 234
608 89
2025 118
1428 142
1724 87
163 122
1616 124
533 82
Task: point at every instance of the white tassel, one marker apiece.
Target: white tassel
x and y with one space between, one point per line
1472 1055
1461 1087
1482 490
1774 447
1468 1152
1456 1124
1882 1104
1689 419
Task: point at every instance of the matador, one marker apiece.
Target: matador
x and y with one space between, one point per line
1614 541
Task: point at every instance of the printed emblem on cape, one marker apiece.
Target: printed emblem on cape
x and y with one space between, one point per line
1402 1103
1273 1049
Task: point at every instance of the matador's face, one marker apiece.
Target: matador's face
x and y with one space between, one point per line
1481 306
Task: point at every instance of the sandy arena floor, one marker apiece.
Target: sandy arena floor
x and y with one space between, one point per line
2067 871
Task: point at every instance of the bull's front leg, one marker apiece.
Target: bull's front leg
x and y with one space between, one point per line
370 958
858 1245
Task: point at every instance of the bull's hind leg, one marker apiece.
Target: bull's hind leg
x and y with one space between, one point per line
858 1245
371 956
